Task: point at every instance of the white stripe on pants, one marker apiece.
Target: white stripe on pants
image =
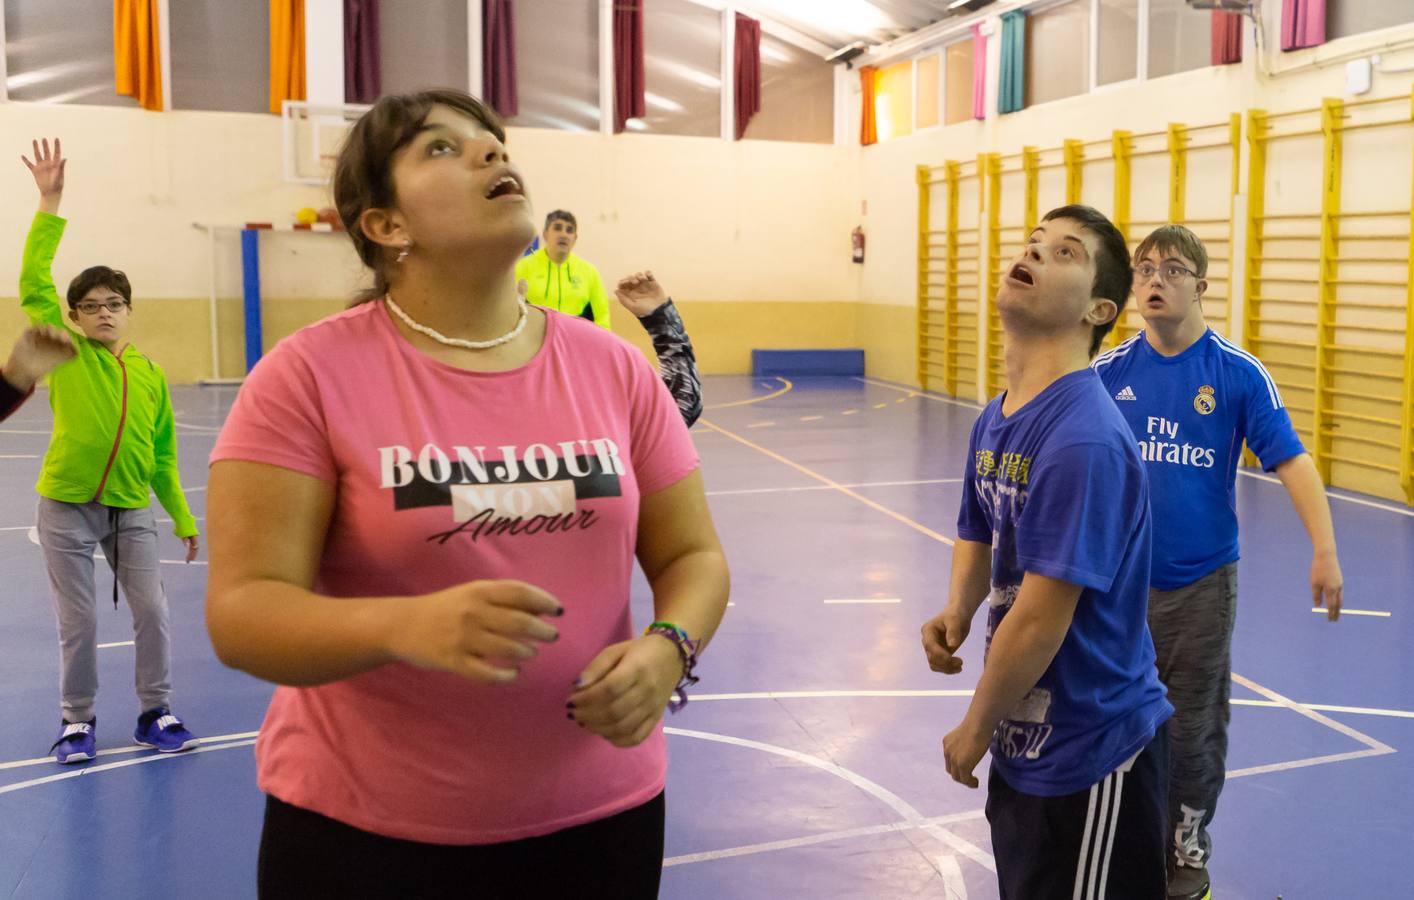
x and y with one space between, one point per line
69 533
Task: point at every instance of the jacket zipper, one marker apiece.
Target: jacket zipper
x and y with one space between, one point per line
122 421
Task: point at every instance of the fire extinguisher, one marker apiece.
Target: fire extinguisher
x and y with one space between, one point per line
856 238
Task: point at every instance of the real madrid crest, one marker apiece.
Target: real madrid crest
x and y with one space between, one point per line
1205 402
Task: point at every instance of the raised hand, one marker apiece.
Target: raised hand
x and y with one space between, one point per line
39 351
640 293
47 169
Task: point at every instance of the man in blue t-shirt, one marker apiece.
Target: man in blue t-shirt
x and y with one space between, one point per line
1191 397
1054 530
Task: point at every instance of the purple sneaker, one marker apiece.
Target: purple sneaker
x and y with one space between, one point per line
76 742
159 728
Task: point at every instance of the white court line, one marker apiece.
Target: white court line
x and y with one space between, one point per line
822 838
897 516
1354 612
193 490
1356 500
878 791
202 428
117 644
954 887
865 600
811 418
1374 747
19 456
107 767
221 739
23 431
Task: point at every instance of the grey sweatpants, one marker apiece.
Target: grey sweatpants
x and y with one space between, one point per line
68 534
1192 629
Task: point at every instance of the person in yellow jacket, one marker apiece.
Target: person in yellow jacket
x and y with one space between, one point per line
114 441
559 280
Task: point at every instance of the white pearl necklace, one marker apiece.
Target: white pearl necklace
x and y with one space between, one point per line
458 342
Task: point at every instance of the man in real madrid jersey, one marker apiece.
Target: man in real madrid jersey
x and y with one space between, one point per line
1192 397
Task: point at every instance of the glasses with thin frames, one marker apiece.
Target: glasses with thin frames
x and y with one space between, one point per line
1172 272
91 307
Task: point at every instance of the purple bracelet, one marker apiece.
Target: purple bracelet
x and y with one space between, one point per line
687 652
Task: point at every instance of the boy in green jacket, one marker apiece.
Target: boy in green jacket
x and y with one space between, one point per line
114 440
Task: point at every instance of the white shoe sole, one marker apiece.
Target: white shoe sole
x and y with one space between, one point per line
75 758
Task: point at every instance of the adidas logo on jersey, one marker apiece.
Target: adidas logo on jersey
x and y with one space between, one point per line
1126 394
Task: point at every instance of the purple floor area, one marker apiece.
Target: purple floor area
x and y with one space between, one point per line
809 761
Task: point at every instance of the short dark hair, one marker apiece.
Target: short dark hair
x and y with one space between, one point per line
99 276
1114 276
560 215
363 176
1175 239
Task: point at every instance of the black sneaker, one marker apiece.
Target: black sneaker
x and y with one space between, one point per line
1188 883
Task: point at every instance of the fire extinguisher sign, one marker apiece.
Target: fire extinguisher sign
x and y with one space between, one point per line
856 238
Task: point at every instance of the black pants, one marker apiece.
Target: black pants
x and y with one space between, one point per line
1110 840
305 855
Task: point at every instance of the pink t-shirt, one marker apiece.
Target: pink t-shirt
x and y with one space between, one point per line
445 476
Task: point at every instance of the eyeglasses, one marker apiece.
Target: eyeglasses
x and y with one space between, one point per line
1173 273
91 307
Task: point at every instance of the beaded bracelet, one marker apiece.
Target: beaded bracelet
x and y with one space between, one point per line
687 652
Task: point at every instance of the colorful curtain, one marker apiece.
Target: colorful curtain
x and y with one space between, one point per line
137 55
287 78
630 101
979 72
868 124
1011 85
747 75
1227 38
498 57
363 80
1303 23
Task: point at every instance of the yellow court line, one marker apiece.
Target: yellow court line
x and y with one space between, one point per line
921 529
785 390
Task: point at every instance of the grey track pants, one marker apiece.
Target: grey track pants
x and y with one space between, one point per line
69 534
1192 628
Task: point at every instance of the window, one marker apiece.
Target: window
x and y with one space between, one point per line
959 82
797 96
1180 38
1347 17
893 101
683 66
1058 52
1118 41
220 56
61 53
928 71
557 64
422 45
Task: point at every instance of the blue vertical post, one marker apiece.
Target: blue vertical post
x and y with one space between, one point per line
250 265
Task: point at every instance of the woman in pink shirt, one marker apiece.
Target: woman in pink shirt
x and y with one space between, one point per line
424 515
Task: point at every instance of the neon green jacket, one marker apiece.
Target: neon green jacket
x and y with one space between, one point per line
114 431
571 287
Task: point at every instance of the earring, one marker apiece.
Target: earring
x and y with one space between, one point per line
407 248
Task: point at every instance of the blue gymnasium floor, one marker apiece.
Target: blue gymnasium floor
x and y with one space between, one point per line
809 762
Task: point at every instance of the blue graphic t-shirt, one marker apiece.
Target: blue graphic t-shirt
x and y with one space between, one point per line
1058 489
1190 414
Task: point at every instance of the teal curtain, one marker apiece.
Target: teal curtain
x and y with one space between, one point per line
1011 94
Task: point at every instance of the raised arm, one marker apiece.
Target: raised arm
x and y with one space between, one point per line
642 295
38 297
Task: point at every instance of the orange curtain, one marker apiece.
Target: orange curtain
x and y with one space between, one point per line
137 57
868 127
286 52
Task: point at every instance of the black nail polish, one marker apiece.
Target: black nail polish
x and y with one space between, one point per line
569 705
569 716
560 611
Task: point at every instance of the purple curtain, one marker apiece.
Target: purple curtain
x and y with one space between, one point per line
979 73
630 79
498 57
1227 38
748 72
1303 23
362 79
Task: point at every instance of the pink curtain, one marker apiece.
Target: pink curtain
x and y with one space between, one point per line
748 72
979 73
498 57
1227 38
630 80
1303 23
